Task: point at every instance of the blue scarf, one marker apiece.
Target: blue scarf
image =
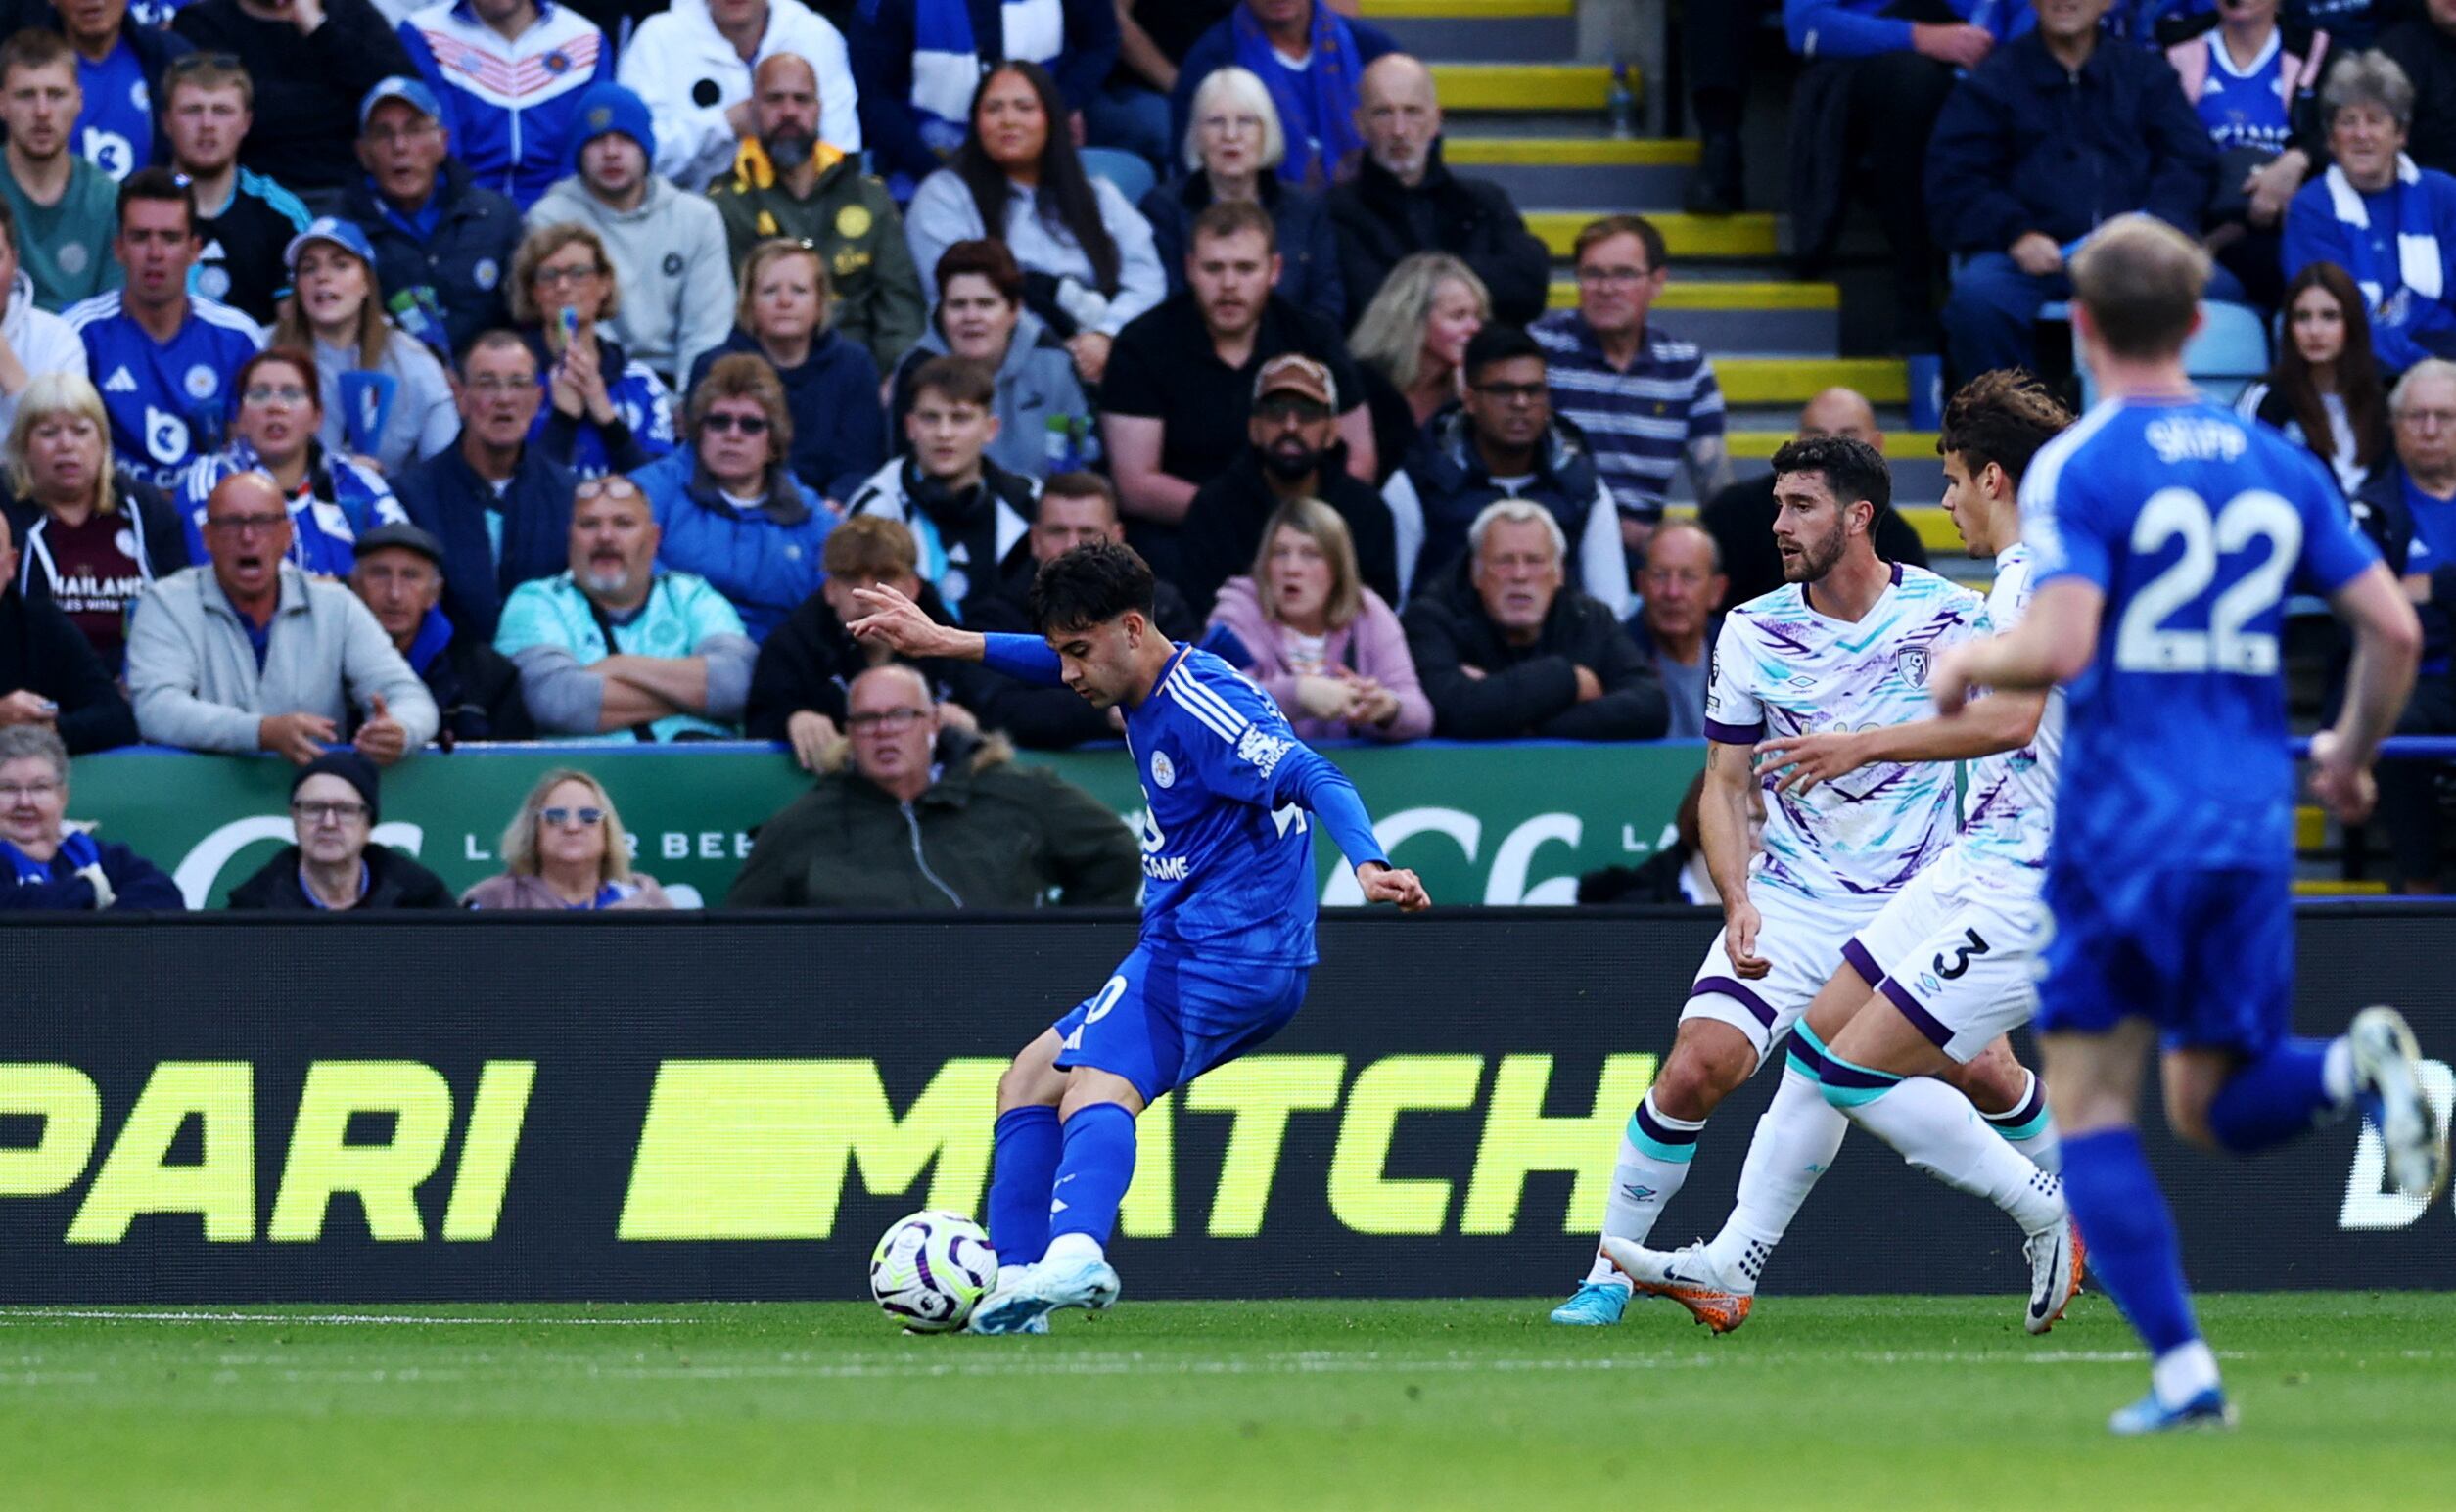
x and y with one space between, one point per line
78 845
1329 85
434 632
2419 266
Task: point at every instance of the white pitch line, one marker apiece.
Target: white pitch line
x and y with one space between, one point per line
11 1315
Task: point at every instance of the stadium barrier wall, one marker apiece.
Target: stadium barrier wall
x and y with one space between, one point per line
457 1107
1483 823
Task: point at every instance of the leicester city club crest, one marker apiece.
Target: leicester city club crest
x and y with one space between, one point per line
1912 661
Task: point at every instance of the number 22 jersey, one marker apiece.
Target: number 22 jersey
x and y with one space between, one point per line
2196 524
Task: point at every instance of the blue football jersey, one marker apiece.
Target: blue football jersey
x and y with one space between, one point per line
115 131
168 402
1228 854
2196 525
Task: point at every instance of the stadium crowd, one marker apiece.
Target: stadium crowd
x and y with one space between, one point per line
385 376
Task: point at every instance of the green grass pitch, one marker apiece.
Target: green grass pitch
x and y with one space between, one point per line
2348 1400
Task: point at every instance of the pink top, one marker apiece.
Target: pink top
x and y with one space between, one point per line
1372 645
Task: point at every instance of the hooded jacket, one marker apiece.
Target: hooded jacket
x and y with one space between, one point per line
1044 419
969 541
987 834
160 539
446 498
1445 484
670 260
874 292
452 276
763 561
393 881
690 75
1529 691
42 341
1380 220
809 661
832 395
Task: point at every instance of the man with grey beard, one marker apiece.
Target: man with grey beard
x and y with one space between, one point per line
787 182
613 647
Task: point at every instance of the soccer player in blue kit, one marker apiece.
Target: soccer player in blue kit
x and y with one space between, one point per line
1228 921
2166 535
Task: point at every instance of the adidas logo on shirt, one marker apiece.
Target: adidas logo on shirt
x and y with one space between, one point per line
119 381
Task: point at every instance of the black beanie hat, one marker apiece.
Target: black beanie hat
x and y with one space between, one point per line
351 767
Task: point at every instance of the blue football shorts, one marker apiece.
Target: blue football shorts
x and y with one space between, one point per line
2208 956
1162 1020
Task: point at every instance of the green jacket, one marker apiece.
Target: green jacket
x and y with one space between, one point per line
850 218
988 833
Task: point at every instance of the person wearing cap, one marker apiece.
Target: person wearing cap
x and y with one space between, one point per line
787 182
1180 379
667 247
969 515
312 61
244 220
386 398
693 63
121 66
162 357
1292 451
248 653
49 867
514 140
443 242
62 202
334 864
399 577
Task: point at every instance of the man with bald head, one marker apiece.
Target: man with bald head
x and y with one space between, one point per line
1683 584
1740 518
916 811
248 653
1405 200
788 182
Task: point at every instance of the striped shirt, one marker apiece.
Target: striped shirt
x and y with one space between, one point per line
1640 422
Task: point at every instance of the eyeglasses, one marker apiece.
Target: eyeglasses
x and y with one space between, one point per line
613 485
1614 275
2427 419
563 818
391 136
12 792
555 278
246 525
275 393
889 719
492 384
1221 125
330 814
747 425
1512 393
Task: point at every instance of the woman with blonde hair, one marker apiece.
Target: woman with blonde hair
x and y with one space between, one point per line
334 312
1329 650
1233 152
72 518
604 413
830 381
1412 345
565 849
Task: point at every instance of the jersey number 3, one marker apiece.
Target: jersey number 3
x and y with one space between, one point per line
2144 642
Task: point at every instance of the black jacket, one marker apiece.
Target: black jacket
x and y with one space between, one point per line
1453 485
42 651
460 275
810 659
1529 691
393 881
1380 220
1040 718
308 88
446 498
2023 146
2428 56
1740 518
1223 527
1308 249
971 527
476 689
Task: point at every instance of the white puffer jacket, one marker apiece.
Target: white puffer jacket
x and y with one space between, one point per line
690 75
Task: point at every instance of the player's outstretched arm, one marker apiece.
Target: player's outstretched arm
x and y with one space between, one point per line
2052 645
1723 826
2007 721
1306 777
898 624
2387 648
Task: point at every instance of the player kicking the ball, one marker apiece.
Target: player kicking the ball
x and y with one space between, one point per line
1944 971
1844 645
2166 532
1227 920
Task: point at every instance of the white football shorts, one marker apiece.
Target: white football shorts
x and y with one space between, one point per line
1801 938
1957 951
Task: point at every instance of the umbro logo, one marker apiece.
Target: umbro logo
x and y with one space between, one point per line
1634 1192
122 381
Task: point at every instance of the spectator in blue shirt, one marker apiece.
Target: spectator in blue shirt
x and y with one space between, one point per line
444 242
1312 59
508 74
119 65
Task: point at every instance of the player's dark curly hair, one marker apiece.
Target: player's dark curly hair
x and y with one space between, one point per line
1852 468
1091 584
2001 417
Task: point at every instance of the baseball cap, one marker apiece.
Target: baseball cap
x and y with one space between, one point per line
342 234
403 534
412 92
1292 372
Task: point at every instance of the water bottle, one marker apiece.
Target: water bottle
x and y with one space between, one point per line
1062 446
1622 103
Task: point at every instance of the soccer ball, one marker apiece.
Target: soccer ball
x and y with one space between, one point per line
930 1269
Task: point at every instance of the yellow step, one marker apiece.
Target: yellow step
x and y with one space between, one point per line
2330 887
2310 827
1717 295
1570 152
1685 236
1522 86
1797 379
1465 9
1760 445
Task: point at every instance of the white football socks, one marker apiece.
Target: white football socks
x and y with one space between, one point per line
1796 1141
1648 1172
1936 1129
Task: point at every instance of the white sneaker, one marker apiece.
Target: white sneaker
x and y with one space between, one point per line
1688 1277
1090 1284
1013 1281
2386 1067
2054 1274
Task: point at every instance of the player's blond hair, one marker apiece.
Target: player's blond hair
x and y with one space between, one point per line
2140 280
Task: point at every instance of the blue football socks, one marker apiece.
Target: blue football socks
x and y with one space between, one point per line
2280 1096
1026 1150
2131 1234
1093 1175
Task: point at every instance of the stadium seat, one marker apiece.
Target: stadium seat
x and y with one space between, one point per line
2231 351
1132 175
